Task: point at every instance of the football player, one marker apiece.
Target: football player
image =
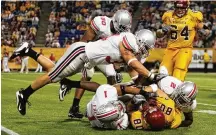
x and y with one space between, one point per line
180 26
120 48
100 27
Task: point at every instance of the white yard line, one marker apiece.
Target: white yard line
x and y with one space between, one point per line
206 111
206 104
8 131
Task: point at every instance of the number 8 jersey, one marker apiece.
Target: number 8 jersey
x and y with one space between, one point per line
183 29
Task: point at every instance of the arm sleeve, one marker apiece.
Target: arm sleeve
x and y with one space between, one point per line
121 124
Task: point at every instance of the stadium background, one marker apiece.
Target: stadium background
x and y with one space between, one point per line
54 24
65 22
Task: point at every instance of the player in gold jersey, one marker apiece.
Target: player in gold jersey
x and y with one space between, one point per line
180 26
165 104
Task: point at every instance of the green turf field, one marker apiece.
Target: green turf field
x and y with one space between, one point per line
48 115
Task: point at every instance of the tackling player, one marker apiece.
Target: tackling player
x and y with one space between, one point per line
120 48
180 26
100 27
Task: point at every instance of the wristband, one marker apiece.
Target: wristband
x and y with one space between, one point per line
133 59
154 87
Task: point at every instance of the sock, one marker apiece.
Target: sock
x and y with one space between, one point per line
72 84
34 55
28 91
76 102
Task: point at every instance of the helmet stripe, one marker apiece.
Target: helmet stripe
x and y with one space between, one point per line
106 114
126 44
192 92
94 26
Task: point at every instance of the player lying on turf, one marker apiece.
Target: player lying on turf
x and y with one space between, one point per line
182 93
120 48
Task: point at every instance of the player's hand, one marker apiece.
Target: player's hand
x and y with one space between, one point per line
138 99
154 78
119 77
166 29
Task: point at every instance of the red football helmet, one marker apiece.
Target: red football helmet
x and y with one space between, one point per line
181 7
155 118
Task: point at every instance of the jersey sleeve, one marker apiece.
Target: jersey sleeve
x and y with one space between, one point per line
129 42
95 24
120 124
198 15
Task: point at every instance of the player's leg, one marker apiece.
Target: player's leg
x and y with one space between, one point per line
167 61
74 109
26 50
70 63
182 61
109 72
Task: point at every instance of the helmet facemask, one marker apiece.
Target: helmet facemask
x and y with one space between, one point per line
144 48
181 7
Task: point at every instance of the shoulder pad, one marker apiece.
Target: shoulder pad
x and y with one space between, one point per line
129 42
196 14
166 15
99 23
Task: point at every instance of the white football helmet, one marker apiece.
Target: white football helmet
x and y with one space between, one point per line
122 21
110 111
145 40
185 94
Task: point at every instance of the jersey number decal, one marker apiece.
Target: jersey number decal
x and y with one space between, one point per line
105 94
173 85
103 21
166 111
184 33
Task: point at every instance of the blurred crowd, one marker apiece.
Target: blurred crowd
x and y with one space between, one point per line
70 19
19 22
151 19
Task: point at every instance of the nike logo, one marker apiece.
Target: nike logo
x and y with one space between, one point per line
19 108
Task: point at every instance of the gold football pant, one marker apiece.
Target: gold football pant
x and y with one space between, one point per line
177 61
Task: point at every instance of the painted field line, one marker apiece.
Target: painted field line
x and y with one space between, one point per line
206 111
206 104
8 131
27 81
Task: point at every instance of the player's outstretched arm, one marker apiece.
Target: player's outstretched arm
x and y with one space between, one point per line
132 61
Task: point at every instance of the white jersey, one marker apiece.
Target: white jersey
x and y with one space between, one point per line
101 26
107 51
104 94
170 84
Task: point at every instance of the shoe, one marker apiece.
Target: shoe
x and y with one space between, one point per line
63 90
75 113
21 51
21 102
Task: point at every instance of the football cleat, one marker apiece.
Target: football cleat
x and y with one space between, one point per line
21 51
63 91
74 113
21 102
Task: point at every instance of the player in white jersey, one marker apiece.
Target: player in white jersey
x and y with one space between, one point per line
123 48
100 27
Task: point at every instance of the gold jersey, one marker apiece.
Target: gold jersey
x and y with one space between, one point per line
183 29
172 114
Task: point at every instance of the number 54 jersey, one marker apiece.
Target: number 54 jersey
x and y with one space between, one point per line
183 29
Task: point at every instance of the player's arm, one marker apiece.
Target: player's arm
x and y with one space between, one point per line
188 119
89 35
166 28
202 29
132 61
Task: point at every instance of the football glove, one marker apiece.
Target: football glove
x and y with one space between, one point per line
155 78
119 77
166 29
138 99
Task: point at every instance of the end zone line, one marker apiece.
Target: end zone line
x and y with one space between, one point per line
206 111
205 104
8 131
